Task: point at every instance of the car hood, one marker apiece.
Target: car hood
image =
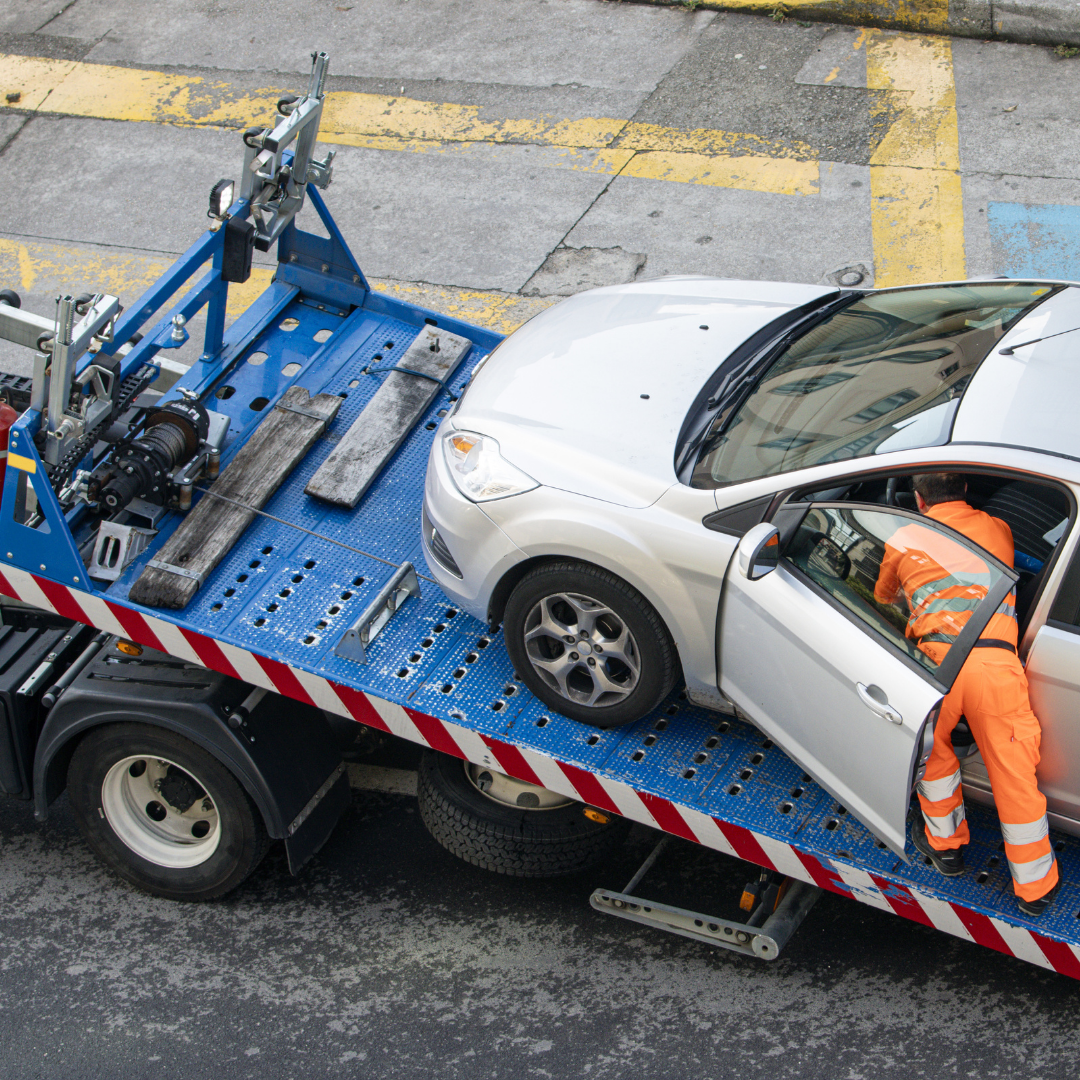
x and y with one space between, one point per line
589 396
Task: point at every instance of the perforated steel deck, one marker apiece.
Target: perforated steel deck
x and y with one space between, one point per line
273 610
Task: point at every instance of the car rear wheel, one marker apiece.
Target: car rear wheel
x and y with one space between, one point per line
588 645
163 813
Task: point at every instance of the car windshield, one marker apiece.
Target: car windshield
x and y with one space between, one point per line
884 373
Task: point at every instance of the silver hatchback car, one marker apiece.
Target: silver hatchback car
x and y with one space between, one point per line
612 481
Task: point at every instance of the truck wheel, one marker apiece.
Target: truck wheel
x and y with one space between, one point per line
507 826
163 813
588 645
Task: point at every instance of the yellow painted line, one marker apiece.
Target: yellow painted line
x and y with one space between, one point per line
916 203
375 121
48 268
749 173
17 461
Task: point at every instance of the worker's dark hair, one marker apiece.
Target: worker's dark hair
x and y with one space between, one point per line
939 487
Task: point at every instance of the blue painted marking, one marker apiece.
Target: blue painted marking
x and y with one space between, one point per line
1035 241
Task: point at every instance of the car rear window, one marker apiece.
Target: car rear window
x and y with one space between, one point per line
884 373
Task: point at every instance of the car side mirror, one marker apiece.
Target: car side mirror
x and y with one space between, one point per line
759 551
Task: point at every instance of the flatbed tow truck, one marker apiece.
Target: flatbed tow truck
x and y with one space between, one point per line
305 619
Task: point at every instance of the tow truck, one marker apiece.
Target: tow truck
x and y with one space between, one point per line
215 589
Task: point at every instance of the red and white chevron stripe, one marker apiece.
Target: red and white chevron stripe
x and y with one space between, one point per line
536 768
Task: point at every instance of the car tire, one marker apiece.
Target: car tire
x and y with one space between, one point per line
162 813
636 658
508 839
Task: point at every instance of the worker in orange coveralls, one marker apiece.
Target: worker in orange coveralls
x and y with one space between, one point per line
990 693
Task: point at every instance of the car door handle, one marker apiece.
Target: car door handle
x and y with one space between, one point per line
881 708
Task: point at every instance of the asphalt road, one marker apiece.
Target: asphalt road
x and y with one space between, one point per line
493 155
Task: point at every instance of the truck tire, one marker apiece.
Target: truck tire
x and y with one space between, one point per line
500 831
163 813
588 645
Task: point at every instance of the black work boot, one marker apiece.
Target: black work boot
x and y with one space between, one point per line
1036 907
950 863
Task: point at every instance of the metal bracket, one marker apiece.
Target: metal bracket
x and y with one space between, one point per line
354 644
758 936
170 569
115 546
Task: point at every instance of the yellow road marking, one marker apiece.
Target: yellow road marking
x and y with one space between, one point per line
916 202
43 267
375 121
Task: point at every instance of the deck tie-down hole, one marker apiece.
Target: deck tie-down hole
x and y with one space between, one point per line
981 879
310 639
260 621
451 613
543 721
346 595
993 861
832 823
447 687
757 759
402 672
223 393
241 578
285 592
288 325
455 715
1060 845
334 609
272 607
297 578
483 643
289 370
430 425
786 807
723 726
266 550
734 789
256 359
322 624
414 657
459 673
649 740
427 643
229 592
671 710
711 742
881 845
357 582
841 810
592 740
309 565
509 691
498 706
258 404
767 744
216 607
700 757
472 658
807 778
659 725
322 335
438 628
796 792
746 774
255 564
689 774
637 755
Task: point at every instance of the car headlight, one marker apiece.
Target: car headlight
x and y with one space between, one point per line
479 470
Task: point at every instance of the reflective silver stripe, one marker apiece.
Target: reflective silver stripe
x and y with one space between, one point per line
1005 608
958 580
950 603
1031 832
936 790
1026 872
944 827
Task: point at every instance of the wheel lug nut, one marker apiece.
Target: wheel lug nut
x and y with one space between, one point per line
592 662
598 648
574 656
569 638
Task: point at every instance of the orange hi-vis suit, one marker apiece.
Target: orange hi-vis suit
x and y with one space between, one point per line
990 693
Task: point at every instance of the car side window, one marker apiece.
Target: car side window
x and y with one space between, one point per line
907 580
1065 611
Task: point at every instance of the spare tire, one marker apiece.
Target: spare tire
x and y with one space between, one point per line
504 825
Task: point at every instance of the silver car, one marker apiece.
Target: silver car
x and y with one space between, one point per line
695 479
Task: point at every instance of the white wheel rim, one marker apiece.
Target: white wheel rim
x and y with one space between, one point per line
509 791
135 801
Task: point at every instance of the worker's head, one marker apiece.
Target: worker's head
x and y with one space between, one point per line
938 487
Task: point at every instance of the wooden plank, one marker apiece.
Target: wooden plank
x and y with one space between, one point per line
387 418
208 533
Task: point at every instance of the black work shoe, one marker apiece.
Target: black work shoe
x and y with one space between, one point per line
1035 908
950 863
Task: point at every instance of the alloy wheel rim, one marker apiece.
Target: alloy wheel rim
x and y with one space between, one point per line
582 649
161 811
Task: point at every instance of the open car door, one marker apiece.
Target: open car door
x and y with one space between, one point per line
836 677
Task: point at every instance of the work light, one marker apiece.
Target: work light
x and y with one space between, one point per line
221 198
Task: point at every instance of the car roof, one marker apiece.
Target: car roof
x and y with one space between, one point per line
1030 398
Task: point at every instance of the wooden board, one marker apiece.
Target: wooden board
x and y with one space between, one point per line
207 534
387 418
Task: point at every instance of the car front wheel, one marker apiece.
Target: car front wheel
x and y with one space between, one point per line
588 645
